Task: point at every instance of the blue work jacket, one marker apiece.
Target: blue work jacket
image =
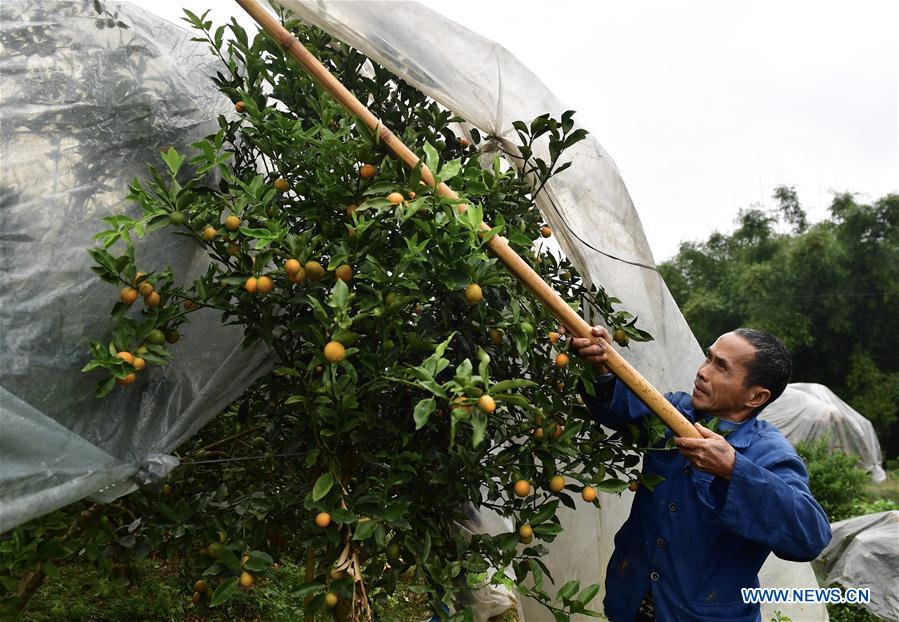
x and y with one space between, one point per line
696 539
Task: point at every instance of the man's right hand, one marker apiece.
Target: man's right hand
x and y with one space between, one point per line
589 351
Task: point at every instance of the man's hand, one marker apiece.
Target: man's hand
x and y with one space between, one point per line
589 351
711 453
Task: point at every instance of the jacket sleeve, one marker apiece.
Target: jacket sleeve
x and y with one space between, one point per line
614 406
773 505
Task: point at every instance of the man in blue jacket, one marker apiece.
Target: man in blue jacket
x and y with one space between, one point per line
726 502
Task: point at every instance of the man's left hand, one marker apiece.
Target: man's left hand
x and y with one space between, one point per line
711 453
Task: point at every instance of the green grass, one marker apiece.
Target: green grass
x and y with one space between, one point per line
850 613
79 594
160 591
887 489
878 497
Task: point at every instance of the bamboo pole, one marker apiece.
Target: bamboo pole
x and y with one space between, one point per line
648 394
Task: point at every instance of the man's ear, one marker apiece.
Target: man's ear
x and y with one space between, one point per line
756 396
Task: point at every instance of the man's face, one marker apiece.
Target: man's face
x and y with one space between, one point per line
718 388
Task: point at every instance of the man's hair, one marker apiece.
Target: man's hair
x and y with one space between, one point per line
772 366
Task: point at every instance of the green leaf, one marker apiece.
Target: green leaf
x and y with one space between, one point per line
379 189
433 387
224 592
365 530
426 546
450 169
104 387
91 365
507 541
395 511
346 337
612 485
536 570
322 486
259 561
588 594
318 310
520 341
308 588
343 517
505 385
340 294
546 511
478 427
463 371
484 365
228 557
547 529
212 570
568 590
423 410
432 160
173 160
103 258
651 480
422 373
511 398
50 570
576 136
258 234
443 346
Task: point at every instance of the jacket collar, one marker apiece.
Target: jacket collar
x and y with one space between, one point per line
739 434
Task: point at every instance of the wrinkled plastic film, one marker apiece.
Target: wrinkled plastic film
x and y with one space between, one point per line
88 99
864 553
66 466
808 411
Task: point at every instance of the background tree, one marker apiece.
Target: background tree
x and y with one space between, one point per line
830 290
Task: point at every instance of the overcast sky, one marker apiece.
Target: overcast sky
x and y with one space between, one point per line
707 106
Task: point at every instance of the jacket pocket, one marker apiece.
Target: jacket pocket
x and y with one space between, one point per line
733 610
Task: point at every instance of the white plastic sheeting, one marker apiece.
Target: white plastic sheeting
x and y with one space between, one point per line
777 572
864 553
87 100
808 411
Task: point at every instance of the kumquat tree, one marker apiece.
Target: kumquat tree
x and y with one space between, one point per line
415 378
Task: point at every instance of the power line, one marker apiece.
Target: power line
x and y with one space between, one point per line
243 458
837 295
590 246
552 204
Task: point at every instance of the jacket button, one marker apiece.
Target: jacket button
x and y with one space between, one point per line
654 575
686 470
672 507
661 543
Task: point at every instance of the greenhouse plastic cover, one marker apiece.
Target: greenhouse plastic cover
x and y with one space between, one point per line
808 411
864 553
88 99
